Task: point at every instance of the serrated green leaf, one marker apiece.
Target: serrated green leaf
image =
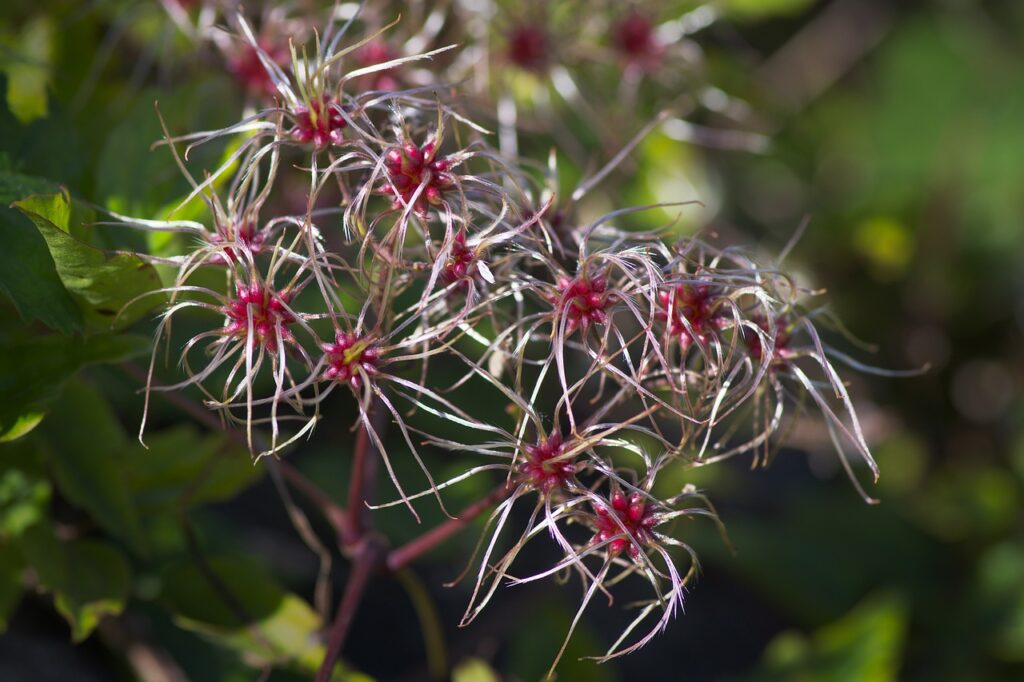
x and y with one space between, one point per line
89 579
33 371
27 273
103 286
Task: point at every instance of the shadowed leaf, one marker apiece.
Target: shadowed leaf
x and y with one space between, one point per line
88 578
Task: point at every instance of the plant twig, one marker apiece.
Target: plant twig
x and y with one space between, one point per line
402 556
364 474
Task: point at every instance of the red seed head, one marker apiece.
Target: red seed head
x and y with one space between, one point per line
544 467
461 263
321 122
249 70
527 46
753 339
583 301
626 522
246 233
692 303
262 310
408 167
349 357
636 41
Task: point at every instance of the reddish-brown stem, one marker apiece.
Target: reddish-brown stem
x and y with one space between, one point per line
367 558
367 550
402 556
364 474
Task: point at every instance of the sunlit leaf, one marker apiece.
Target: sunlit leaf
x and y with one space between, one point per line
762 9
866 645
27 273
23 501
257 618
28 61
102 285
474 670
22 426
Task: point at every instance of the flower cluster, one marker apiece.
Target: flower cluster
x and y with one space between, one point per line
433 277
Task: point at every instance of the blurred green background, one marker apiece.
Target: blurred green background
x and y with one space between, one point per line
898 128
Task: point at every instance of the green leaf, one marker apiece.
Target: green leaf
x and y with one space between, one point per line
180 468
89 579
27 273
269 626
23 501
87 460
763 9
28 62
866 644
11 568
999 594
102 285
138 180
184 468
33 371
474 670
22 425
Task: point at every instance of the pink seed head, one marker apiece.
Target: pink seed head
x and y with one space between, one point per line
781 349
631 514
320 122
461 264
263 310
408 167
583 301
692 303
246 233
348 355
543 469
